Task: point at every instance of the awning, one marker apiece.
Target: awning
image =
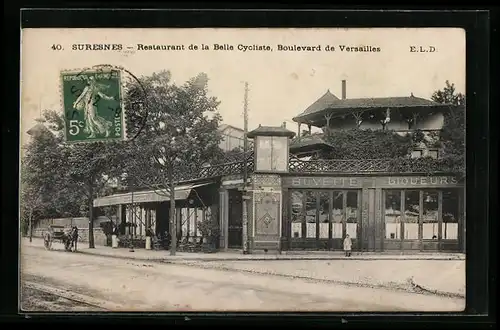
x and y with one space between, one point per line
149 196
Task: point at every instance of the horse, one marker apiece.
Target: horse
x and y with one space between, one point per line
71 239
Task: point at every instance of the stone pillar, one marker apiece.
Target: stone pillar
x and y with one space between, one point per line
266 218
271 153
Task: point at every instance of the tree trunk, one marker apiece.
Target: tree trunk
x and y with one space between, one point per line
30 226
173 220
91 217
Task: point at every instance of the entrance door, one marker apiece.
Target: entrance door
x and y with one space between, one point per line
346 214
320 219
235 223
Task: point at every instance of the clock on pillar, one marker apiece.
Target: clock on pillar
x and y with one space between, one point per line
271 153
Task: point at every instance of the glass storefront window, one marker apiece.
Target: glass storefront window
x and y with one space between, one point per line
412 212
393 214
338 214
430 221
297 213
450 214
310 214
433 222
352 214
324 213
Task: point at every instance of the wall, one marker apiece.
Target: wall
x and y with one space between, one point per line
83 235
232 138
81 222
434 121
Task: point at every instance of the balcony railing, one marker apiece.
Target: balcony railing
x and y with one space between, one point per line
399 165
321 166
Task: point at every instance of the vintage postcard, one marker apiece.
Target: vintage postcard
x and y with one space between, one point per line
242 170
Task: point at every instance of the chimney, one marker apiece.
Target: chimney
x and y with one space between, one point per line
343 89
284 124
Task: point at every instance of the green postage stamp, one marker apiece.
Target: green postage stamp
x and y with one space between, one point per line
93 107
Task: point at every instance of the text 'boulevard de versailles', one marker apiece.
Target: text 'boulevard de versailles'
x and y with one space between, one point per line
227 47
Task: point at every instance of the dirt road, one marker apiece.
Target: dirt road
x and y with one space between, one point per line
125 285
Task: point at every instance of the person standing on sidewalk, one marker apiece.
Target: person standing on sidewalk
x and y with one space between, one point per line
347 245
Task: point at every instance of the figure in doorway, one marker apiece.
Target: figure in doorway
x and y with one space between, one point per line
347 245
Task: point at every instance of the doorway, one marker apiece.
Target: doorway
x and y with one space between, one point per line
235 221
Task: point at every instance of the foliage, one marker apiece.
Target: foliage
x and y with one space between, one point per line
208 228
66 176
452 135
386 144
368 144
180 133
43 177
448 95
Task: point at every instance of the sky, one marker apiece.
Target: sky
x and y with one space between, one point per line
282 84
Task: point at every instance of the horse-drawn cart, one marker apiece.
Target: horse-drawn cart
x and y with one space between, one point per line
68 238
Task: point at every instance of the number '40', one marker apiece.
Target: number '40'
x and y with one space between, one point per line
56 47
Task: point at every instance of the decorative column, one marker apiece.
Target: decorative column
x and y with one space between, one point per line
271 153
223 219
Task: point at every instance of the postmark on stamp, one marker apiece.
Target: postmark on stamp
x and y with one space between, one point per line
94 102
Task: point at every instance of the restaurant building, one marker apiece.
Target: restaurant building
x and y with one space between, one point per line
298 201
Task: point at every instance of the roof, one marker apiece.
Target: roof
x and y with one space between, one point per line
271 131
36 129
309 141
223 127
322 103
348 105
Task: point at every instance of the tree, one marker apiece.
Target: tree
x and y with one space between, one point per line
180 135
67 176
452 135
448 95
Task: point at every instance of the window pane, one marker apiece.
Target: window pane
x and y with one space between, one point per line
412 211
279 153
324 213
297 213
430 215
393 214
337 214
310 214
352 213
264 160
416 154
153 220
432 153
192 222
199 212
450 214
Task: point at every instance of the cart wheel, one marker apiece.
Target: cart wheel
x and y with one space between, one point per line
47 241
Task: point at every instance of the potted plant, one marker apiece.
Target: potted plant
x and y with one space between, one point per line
209 230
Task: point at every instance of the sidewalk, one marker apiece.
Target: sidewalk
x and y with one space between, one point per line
164 255
437 273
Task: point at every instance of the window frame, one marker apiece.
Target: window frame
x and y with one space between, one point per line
440 238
